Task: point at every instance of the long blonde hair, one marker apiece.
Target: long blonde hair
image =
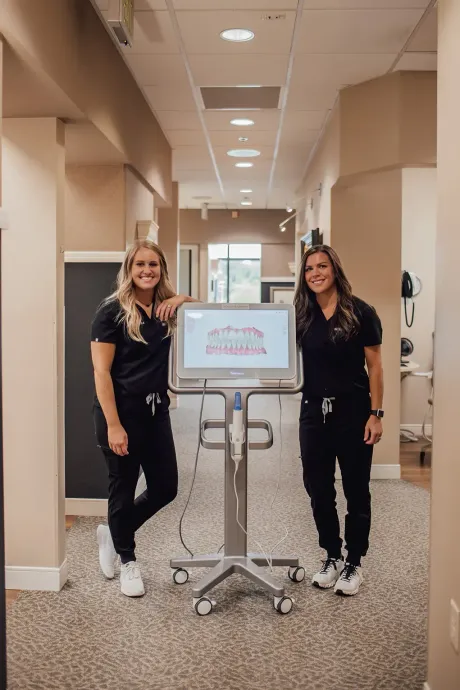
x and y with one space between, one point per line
125 293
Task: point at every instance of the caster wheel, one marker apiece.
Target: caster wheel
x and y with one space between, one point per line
203 606
180 576
283 604
297 574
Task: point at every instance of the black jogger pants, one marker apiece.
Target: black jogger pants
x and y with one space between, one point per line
150 446
330 431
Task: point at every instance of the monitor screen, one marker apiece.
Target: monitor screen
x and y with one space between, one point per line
236 341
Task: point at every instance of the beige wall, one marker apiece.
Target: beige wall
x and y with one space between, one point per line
33 174
366 232
95 208
168 234
252 226
66 41
140 204
324 171
443 661
418 255
275 260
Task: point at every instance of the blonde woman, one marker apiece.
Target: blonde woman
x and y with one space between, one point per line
130 341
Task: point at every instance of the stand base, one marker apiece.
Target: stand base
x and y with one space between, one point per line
223 566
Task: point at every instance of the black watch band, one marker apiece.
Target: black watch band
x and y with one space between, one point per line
377 413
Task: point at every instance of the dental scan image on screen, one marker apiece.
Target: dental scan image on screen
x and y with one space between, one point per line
246 339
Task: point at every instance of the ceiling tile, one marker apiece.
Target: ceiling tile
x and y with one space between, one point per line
171 120
356 31
201 32
150 5
153 33
263 119
169 98
233 4
426 38
303 120
365 4
418 61
230 139
181 137
234 70
202 177
316 79
152 70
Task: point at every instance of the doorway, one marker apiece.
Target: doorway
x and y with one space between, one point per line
234 273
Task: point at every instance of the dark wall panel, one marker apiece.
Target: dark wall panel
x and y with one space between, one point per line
86 285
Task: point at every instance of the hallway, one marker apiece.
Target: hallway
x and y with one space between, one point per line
375 641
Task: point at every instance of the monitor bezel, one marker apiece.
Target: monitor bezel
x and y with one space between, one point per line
243 373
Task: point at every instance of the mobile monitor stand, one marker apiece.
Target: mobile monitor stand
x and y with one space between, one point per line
239 350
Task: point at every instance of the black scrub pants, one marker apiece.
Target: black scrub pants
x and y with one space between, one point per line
150 446
324 438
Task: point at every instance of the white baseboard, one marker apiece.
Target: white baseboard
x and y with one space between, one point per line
417 428
379 472
38 579
86 506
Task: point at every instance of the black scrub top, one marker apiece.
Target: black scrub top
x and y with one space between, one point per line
335 368
138 369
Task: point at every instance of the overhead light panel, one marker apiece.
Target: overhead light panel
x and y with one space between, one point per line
246 202
245 191
243 153
244 165
237 35
243 139
242 122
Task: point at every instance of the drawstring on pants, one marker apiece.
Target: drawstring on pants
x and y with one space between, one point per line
327 407
150 400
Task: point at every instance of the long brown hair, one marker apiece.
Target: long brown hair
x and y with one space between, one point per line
125 293
345 319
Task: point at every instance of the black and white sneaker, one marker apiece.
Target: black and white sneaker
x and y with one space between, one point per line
349 581
329 573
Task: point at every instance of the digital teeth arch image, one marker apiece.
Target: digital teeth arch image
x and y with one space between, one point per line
235 341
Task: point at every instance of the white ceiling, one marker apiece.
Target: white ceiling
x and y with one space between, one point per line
316 48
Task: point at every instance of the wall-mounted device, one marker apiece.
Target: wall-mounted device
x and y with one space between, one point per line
120 18
410 288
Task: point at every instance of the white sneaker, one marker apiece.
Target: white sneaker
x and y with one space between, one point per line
349 581
329 573
107 553
131 580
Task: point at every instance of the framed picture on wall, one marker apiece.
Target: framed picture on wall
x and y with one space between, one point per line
282 295
311 239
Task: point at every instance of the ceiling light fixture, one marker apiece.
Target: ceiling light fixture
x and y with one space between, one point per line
243 153
237 35
282 228
244 165
246 202
243 139
245 191
242 122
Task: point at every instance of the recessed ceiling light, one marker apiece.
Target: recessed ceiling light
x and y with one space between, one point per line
243 153
244 165
246 203
283 229
237 35
288 209
242 122
243 139
245 191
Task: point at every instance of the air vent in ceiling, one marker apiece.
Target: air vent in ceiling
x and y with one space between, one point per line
238 98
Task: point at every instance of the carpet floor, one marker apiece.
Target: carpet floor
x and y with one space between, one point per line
90 637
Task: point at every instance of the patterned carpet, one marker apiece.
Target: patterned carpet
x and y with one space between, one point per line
90 637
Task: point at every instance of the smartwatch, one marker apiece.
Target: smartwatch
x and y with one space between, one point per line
377 413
